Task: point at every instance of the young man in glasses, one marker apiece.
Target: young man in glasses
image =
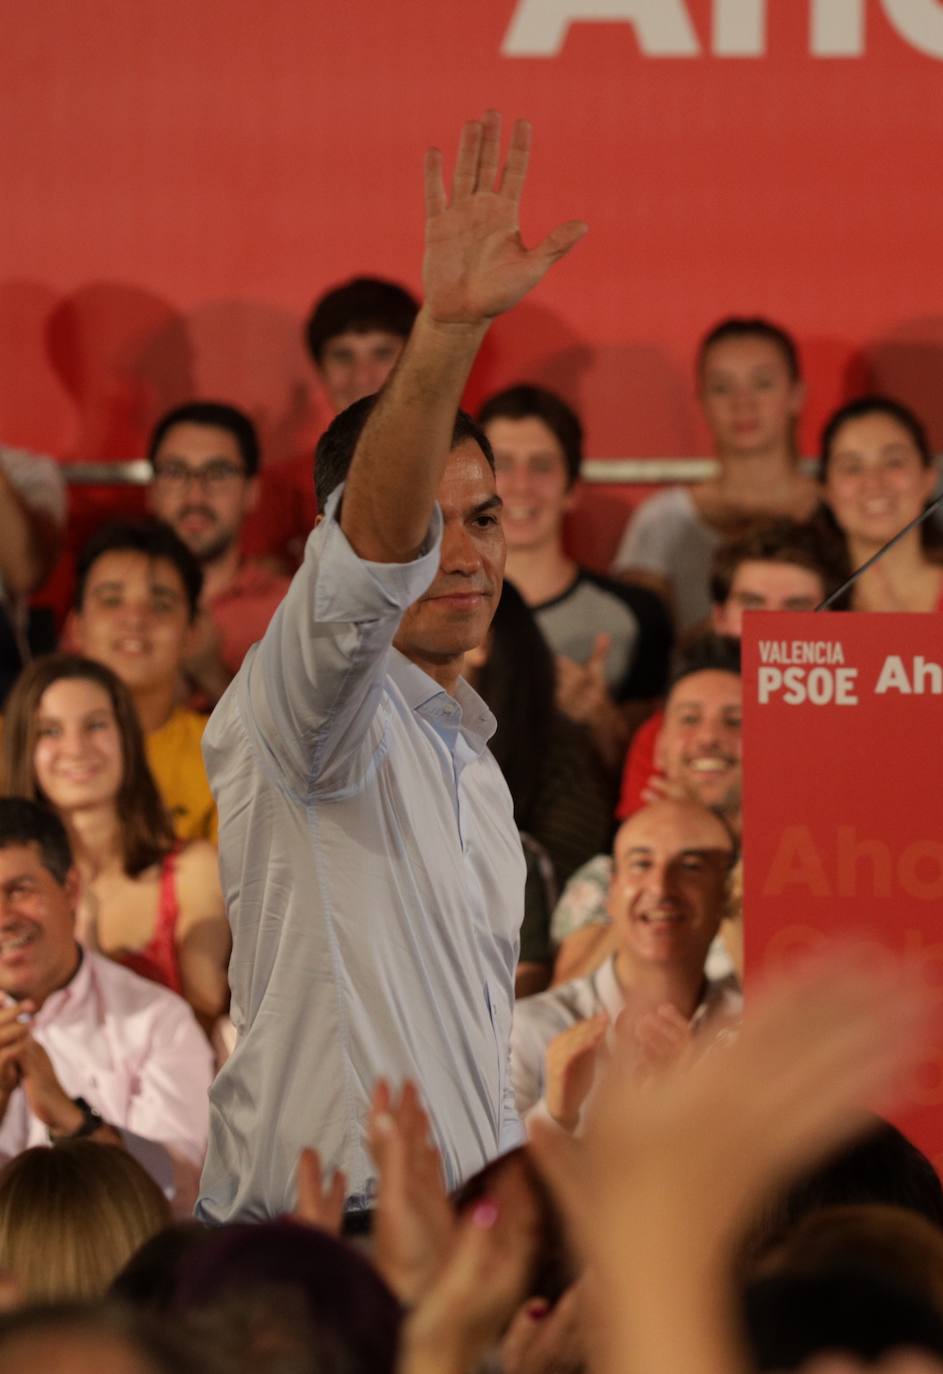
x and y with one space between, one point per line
205 457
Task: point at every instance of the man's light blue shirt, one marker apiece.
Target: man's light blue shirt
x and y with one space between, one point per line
374 882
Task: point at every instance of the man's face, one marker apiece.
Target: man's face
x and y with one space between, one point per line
532 481
201 487
353 365
37 921
763 586
135 618
699 744
456 611
666 896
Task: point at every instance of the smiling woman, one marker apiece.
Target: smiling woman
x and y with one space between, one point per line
72 739
878 472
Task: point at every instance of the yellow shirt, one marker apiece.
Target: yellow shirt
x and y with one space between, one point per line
175 759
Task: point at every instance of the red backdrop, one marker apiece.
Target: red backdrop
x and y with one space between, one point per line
183 176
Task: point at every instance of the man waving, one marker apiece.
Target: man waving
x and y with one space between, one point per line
371 865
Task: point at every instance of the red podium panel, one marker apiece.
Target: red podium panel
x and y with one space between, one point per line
843 802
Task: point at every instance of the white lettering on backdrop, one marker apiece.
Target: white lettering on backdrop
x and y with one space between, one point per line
663 28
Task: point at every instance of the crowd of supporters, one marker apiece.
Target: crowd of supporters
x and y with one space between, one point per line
698 1192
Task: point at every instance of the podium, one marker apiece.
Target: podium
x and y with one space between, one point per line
843 804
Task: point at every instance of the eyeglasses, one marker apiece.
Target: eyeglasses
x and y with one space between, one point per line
213 476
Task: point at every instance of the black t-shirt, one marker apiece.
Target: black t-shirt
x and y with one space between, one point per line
636 619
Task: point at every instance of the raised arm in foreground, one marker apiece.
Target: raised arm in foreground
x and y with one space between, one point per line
476 267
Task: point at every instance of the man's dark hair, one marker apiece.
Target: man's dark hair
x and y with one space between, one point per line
217 414
335 450
883 1167
751 327
792 1317
146 535
782 540
527 401
23 822
707 653
357 307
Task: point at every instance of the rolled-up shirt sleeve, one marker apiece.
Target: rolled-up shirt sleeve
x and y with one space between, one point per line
311 688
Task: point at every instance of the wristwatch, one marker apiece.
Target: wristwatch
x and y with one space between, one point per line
91 1121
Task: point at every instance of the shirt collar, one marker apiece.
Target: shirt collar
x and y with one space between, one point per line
715 996
74 992
464 711
610 994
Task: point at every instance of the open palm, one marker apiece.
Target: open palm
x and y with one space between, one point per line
476 264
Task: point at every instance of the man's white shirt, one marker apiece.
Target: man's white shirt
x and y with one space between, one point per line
374 882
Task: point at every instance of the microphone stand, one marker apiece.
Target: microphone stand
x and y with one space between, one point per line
850 582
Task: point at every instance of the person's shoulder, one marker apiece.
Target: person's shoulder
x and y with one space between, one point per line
197 861
126 994
557 1008
670 507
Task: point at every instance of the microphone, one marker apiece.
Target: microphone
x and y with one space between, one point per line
912 525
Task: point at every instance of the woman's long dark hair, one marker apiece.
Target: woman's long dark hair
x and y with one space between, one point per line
518 684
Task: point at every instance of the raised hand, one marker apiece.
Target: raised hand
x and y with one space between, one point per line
570 1067
581 687
476 265
663 1038
541 1340
319 1204
464 1310
14 1037
671 1171
414 1226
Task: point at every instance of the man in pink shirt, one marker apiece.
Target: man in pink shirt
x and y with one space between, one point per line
88 1048
205 458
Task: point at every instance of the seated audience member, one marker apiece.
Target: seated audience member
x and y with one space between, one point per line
874 1236
697 756
751 393
32 516
666 897
137 596
560 790
72 740
612 641
88 1048
355 333
881 1167
662 1187
205 460
277 1289
775 565
795 1319
879 472
72 1217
